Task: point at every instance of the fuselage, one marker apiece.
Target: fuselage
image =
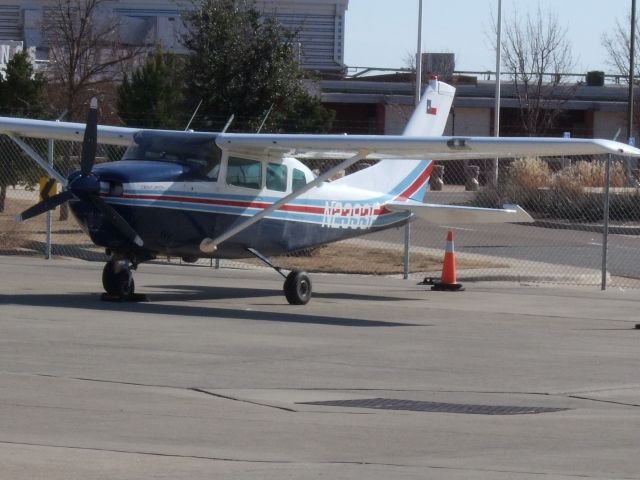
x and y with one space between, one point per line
177 190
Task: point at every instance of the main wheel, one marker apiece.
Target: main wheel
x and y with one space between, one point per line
297 288
117 281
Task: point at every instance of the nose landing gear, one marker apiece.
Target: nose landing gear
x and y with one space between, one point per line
117 280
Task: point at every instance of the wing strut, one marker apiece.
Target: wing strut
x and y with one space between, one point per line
209 245
38 159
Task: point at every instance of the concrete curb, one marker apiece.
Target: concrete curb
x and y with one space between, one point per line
583 227
592 277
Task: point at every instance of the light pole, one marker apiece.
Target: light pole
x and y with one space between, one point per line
632 54
419 56
496 108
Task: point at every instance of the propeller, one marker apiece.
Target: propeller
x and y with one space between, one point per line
86 186
45 205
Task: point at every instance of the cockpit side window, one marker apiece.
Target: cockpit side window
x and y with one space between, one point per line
244 172
277 177
299 179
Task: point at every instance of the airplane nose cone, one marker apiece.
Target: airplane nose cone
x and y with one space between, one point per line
85 185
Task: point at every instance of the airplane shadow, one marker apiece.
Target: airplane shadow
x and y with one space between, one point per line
198 292
84 301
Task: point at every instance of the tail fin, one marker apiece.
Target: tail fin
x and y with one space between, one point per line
408 179
430 117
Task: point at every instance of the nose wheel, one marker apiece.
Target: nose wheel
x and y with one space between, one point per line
117 279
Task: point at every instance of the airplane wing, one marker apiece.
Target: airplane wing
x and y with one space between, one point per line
447 214
47 129
343 146
434 148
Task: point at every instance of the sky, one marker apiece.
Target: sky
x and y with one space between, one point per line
384 33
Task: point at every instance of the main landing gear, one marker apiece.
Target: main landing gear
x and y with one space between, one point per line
297 284
297 287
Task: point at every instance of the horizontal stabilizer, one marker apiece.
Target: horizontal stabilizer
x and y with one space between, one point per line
446 214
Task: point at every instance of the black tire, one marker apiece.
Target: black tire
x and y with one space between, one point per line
119 284
297 288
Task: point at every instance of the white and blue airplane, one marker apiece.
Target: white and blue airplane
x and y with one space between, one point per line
226 195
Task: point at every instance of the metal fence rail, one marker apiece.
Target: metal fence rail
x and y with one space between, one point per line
564 246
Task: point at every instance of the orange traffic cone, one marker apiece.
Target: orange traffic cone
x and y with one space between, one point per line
448 278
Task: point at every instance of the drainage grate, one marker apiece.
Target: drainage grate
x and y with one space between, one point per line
417 406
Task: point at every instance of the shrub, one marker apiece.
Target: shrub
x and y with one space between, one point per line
523 182
571 201
529 174
583 174
567 194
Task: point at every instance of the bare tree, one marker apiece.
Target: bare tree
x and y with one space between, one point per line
86 59
617 45
85 51
538 54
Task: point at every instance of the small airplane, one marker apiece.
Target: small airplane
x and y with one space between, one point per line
228 195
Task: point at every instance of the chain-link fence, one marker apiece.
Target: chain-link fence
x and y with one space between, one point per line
566 197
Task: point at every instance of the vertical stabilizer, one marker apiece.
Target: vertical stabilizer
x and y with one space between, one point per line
408 179
430 117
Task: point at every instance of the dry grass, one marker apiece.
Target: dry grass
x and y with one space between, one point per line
11 239
530 173
588 174
18 235
346 257
12 235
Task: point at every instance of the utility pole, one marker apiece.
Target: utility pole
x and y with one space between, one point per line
419 56
630 165
632 54
407 228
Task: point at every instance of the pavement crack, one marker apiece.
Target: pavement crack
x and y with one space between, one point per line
600 400
193 389
363 463
115 382
142 452
235 399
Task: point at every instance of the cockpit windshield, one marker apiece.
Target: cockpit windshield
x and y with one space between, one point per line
194 149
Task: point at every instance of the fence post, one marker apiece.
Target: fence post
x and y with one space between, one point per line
47 252
407 242
605 226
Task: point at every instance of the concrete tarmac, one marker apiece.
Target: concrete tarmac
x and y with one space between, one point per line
217 377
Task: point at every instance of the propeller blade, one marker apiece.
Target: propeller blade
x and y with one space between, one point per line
116 220
90 140
45 205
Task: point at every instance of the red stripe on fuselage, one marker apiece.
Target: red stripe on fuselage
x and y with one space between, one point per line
226 203
241 204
